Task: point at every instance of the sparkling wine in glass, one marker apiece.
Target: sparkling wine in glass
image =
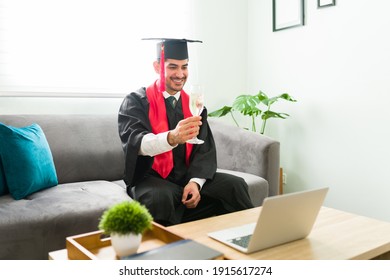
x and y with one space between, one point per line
196 107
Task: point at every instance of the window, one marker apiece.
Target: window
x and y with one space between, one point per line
83 47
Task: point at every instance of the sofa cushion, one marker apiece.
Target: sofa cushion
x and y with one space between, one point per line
84 147
121 183
27 160
247 151
40 223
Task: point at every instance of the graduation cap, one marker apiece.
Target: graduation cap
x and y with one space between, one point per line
173 48
170 48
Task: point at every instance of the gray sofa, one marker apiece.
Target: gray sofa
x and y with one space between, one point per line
89 163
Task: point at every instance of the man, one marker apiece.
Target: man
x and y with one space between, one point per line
175 180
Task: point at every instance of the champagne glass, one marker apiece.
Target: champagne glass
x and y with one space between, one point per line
196 107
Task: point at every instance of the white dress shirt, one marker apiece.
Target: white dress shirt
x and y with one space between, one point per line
154 144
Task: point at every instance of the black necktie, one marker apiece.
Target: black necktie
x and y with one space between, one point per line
172 100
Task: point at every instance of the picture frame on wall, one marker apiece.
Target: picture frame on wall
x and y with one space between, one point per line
288 14
325 3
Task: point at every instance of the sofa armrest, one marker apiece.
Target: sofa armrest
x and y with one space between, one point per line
246 151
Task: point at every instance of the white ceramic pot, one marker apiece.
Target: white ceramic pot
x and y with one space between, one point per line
125 245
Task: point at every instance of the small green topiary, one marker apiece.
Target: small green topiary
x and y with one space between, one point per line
126 217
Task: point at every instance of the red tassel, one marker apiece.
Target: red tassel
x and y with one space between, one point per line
162 69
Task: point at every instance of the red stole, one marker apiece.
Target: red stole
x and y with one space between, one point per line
163 163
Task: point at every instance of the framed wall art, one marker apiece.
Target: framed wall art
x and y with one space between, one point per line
325 3
288 14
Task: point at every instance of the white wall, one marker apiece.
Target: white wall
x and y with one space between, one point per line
337 66
222 25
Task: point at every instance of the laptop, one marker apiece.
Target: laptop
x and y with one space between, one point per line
282 219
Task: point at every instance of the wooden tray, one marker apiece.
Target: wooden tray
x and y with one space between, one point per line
96 246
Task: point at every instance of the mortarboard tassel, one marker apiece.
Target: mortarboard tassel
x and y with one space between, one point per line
162 69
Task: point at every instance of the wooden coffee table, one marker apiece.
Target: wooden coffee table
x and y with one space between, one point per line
336 235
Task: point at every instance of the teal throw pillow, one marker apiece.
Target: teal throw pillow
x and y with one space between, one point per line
3 186
27 160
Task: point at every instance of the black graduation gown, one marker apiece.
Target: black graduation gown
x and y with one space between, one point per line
133 121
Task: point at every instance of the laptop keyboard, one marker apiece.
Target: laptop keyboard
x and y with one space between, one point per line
242 241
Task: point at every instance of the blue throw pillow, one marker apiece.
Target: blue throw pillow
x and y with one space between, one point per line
27 160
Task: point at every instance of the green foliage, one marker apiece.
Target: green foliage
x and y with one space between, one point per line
126 217
249 105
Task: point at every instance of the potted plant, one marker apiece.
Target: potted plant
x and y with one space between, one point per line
125 222
249 105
